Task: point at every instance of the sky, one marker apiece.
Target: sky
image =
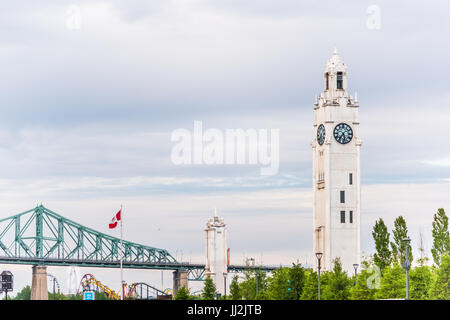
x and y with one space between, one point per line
91 91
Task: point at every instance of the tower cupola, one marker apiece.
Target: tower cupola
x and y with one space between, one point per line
335 78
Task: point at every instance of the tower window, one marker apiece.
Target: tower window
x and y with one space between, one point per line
342 216
342 196
326 81
339 80
351 217
350 178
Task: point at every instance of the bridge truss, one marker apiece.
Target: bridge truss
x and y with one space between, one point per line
41 236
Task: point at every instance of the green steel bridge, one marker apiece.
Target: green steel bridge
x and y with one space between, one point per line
42 237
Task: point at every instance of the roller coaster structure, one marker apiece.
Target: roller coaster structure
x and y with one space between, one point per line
90 283
142 290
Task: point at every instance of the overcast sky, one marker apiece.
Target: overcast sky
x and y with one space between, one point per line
90 92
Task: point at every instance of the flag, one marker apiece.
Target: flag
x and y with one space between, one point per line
114 220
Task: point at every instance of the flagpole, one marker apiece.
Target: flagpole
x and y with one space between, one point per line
121 253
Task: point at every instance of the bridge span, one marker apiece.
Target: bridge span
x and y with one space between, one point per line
41 237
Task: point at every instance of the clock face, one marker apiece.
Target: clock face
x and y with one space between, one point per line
343 133
321 134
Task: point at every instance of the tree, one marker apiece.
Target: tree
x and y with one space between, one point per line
310 289
311 286
440 288
398 246
209 290
24 294
248 286
235 290
441 237
380 234
183 294
279 287
393 283
420 279
338 285
297 278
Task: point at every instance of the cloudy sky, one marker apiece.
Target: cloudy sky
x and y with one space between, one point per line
91 91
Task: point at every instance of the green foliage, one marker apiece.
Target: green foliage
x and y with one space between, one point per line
235 290
56 296
393 283
440 289
209 290
284 284
247 287
398 245
183 294
441 237
420 280
310 289
311 286
24 294
279 287
362 291
382 257
254 281
297 280
338 284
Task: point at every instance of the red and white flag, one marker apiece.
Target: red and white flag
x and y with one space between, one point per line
114 220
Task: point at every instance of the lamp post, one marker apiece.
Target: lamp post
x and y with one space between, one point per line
406 265
355 266
318 256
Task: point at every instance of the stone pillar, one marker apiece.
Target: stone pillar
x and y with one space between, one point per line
180 279
39 289
216 266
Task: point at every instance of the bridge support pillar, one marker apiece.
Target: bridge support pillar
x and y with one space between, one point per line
180 279
39 289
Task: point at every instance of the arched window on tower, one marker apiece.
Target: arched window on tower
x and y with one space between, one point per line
326 81
339 84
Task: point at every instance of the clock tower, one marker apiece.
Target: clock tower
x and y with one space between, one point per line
336 171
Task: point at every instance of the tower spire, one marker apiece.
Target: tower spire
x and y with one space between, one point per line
335 79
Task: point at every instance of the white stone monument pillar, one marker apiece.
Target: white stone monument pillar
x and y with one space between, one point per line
216 252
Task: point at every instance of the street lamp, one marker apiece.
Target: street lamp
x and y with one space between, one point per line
319 256
406 265
355 266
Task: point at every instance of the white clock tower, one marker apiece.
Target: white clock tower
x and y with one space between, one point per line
336 171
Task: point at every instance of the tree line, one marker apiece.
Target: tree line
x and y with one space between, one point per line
382 275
